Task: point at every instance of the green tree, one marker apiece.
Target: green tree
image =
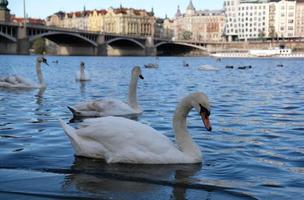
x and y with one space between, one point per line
187 35
39 46
272 34
261 35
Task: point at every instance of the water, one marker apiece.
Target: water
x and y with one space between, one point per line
255 150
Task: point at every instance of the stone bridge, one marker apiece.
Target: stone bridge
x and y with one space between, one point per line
17 39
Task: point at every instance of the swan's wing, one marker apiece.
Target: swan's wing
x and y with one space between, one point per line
129 141
105 107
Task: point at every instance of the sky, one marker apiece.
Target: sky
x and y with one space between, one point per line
44 8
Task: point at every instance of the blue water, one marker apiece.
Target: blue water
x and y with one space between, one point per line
255 151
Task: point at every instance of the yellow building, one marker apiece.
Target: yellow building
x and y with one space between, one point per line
129 21
96 20
121 20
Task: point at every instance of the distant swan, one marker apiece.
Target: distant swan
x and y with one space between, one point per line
82 74
21 83
112 107
121 140
151 65
208 68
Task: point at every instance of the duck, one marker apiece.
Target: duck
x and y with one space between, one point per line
17 82
112 107
229 66
82 74
121 140
242 67
185 64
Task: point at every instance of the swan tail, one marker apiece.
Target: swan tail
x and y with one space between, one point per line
74 111
72 135
70 131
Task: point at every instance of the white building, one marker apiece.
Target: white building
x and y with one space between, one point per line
231 24
256 19
253 20
284 17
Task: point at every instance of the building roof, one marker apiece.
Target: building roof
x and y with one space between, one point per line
178 12
29 20
190 6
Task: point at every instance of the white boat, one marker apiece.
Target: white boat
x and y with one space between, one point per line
270 52
255 53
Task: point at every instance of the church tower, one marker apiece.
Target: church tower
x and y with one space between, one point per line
178 13
190 9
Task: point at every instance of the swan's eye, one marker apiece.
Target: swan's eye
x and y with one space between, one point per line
205 110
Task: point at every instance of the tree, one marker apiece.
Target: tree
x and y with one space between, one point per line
187 35
261 35
39 46
273 34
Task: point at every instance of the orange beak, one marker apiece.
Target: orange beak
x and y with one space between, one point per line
206 121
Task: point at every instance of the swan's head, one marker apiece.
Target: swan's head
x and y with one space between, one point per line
42 60
82 65
136 71
200 103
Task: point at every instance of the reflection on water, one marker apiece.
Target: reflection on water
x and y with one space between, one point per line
255 150
82 87
91 180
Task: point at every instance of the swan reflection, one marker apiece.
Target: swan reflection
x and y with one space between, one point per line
96 176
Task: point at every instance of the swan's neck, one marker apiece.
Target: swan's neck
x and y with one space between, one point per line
182 137
132 98
39 75
82 73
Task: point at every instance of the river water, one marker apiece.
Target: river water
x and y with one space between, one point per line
255 151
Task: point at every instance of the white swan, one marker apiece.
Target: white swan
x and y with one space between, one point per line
82 74
112 107
121 140
208 68
21 83
151 65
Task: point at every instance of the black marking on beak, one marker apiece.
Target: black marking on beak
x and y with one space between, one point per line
141 77
45 61
205 110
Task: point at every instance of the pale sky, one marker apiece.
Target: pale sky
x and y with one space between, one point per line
44 8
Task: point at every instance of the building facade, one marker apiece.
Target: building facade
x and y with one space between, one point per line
121 20
231 8
299 21
252 20
283 15
199 25
258 19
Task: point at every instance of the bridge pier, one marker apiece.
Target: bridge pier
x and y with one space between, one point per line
150 49
101 49
23 43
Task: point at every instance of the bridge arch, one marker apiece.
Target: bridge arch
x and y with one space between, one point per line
63 33
182 44
128 39
10 38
